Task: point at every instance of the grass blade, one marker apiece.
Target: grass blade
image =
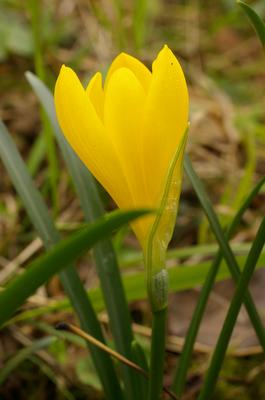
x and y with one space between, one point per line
224 247
232 314
185 357
105 258
255 20
57 258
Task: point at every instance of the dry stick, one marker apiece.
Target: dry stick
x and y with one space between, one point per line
79 332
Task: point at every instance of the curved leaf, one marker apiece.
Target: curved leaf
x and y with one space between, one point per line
255 20
63 253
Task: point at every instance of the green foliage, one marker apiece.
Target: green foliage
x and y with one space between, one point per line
255 20
65 252
232 314
195 323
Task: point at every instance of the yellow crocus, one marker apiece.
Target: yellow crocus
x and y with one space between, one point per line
128 131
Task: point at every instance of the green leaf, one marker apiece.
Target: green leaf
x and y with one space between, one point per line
186 354
255 20
232 314
23 183
105 258
224 246
63 253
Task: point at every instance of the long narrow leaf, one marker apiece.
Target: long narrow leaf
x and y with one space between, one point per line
255 20
224 247
49 264
105 258
185 357
232 314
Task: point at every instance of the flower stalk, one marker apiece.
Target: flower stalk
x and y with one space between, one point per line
157 275
158 343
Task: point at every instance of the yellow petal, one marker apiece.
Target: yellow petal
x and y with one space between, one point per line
124 106
85 132
139 69
96 94
165 120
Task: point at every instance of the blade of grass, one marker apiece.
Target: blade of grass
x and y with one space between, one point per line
21 355
232 314
224 247
185 357
105 258
57 258
255 20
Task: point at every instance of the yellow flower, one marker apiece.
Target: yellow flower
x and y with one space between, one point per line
128 132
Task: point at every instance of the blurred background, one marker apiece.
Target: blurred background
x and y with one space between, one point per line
224 65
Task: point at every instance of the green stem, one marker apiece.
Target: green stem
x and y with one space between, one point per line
157 354
186 354
231 317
